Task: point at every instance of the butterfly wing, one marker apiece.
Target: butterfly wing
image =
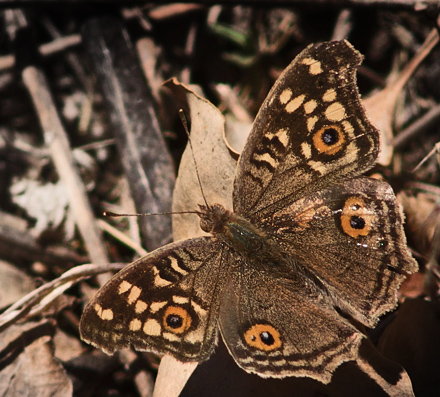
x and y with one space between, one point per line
166 302
351 237
310 132
297 180
283 326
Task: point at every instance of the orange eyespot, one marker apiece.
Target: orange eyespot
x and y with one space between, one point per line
355 218
176 319
329 139
263 337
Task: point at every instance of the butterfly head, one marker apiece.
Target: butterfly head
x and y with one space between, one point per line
213 218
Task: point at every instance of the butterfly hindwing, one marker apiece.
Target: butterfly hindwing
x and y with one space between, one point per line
351 237
165 302
280 326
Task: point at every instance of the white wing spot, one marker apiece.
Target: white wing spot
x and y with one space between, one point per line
307 150
176 267
103 314
314 65
194 337
282 136
279 363
318 166
247 360
180 299
352 153
171 337
135 325
107 314
152 327
311 121
266 157
285 96
348 128
156 306
295 103
310 106
159 281
140 307
335 112
198 309
329 95
134 295
124 287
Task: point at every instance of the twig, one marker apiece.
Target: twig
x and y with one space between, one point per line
61 44
123 238
56 139
35 302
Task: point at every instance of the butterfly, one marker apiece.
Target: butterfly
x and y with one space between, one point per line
309 246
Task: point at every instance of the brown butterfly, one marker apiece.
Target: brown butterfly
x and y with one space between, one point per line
308 239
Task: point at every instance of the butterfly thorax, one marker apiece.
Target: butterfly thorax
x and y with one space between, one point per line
237 232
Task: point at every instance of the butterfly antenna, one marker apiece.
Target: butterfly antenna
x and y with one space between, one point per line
184 121
116 214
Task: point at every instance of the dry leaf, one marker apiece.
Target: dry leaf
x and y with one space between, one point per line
216 170
14 284
67 347
47 203
28 366
214 163
422 216
380 106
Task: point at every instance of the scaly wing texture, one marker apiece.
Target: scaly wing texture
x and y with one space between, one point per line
279 326
351 237
310 132
167 302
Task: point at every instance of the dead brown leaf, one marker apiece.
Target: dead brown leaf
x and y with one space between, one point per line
380 106
213 161
27 364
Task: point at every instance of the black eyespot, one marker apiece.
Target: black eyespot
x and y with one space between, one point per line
357 222
267 338
330 136
383 244
174 321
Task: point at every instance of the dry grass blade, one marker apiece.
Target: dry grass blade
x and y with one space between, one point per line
34 302
56 139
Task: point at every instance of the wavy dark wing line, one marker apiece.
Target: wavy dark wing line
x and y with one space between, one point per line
178 282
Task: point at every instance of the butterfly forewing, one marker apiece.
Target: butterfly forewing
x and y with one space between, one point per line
310 132
165 302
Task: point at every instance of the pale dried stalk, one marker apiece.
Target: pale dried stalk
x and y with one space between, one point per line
56 140
37 300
